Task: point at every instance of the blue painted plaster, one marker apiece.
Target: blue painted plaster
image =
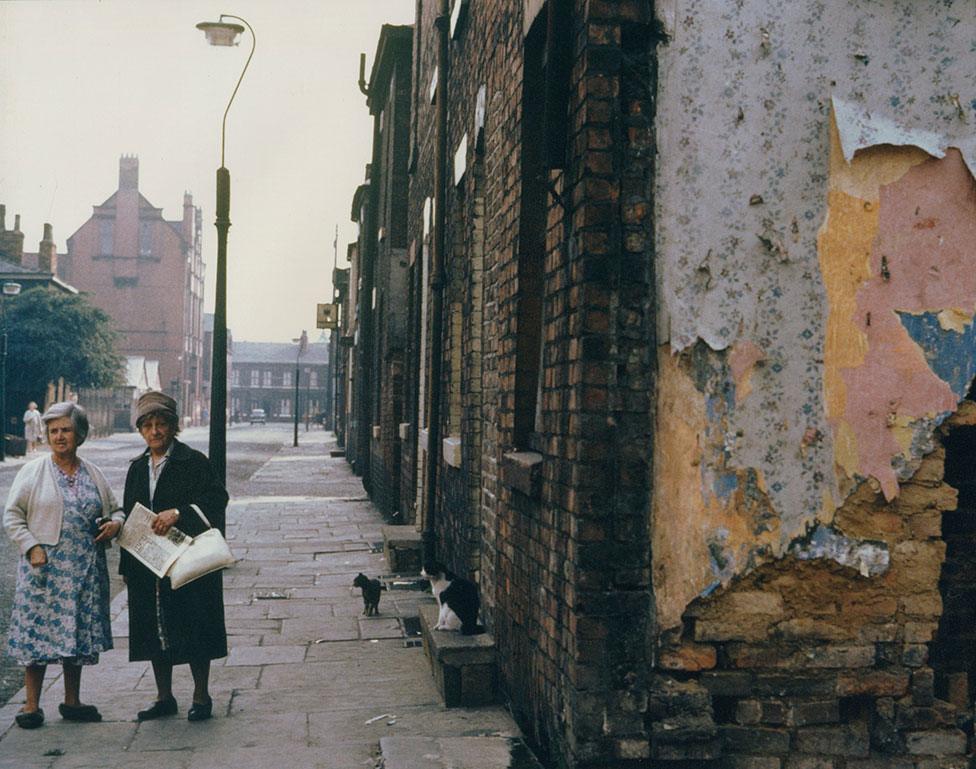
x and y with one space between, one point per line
951 355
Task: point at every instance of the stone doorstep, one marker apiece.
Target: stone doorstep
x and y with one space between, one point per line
463 666
402 548
484 752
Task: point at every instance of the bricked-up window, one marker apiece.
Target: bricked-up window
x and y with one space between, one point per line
267 378
145 239
545 81
105 237
235 378
255 378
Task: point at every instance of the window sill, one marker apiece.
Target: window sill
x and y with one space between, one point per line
522 471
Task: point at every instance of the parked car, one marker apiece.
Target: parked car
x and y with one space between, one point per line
257 416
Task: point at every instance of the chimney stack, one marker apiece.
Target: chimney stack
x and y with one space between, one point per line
11 241
129 172
47 252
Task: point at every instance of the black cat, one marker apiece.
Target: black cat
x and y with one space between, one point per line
371 593
457 597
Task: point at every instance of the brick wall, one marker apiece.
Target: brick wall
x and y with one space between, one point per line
564 564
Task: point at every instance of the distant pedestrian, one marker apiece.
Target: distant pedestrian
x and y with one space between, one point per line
33 427
59 510
173 627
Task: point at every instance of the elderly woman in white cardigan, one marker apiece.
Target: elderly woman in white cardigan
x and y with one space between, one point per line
59 512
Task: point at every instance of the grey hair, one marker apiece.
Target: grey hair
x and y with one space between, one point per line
74 412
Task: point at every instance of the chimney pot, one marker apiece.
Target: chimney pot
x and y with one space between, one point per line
47 252
17 223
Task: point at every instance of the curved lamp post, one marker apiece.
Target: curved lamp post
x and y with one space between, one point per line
9 289
224 33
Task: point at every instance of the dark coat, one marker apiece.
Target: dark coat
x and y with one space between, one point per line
194 614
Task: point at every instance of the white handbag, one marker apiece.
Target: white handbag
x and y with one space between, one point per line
207 553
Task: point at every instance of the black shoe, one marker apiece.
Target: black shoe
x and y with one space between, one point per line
86 713
200 711
30 720
158 709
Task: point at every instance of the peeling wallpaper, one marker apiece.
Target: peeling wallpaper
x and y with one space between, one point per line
816 243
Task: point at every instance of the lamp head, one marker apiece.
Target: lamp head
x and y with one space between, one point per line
221 32
11 289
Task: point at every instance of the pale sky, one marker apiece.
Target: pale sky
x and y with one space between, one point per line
83 82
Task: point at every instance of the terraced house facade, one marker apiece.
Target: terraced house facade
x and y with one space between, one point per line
683 376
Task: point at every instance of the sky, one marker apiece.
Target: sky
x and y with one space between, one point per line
83 82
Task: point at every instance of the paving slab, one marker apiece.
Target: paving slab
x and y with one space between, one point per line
421 752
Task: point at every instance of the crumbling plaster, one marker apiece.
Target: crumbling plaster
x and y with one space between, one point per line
815 219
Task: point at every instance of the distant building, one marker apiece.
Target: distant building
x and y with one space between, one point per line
263 377
147 274
29 269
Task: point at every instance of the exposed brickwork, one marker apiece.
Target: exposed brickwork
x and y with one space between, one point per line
809 663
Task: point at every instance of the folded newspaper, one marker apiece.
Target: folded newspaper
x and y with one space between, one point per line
154 551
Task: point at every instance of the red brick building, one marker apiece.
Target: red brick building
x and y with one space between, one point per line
147 273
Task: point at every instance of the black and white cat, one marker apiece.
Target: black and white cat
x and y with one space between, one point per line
457 598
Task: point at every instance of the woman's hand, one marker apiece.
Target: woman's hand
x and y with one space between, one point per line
108 530
165 521
37 556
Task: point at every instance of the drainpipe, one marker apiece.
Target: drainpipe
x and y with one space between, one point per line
418 289
437 282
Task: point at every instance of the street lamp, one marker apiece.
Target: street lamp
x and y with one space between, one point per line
302 345
222 33
9 289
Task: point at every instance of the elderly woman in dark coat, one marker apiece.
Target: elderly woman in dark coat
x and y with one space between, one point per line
173 627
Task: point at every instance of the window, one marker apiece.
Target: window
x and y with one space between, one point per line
267 379
122 281
313 378
545 127
255 378
235 378
284 407
286 379
105 237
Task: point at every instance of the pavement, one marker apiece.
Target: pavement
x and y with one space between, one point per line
309 682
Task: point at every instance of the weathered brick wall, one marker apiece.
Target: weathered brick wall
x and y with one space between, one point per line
562 561
565 568
807 662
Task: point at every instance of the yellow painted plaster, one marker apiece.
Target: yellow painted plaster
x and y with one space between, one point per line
686 516
955 319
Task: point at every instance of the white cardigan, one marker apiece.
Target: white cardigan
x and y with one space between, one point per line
35 509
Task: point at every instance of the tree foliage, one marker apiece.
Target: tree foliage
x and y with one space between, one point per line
54 334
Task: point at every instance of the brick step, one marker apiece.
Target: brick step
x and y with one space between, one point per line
402 548
484 752
463 665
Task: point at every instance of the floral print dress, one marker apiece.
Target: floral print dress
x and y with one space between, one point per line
61 609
